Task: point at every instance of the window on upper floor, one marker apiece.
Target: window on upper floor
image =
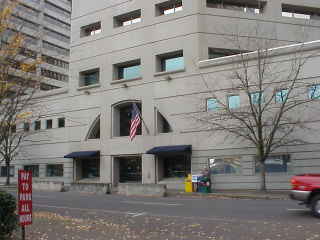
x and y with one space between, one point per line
247 6
26 126
212 104
47 87
89 77
281 95
55 61
122 116
56 49
37 125
219 52
170 61
56 35
94 131
91 29
163 125
300 12
61 122
257 97
233 101
49 124
314 91
168 7
128 70
54 75
127 18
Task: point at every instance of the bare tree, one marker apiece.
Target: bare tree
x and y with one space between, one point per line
273 99
18 84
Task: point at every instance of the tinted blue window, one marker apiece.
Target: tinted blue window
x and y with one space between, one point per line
234 101
91 78
212 104
314 92
281 95
172 64
130 72
255 97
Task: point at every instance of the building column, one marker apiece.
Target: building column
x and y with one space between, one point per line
106 169
148 169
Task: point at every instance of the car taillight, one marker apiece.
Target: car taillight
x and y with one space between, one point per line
294 182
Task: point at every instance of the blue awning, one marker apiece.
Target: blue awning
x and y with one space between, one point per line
170 149
82 154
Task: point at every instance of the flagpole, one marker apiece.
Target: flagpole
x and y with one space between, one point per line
145 125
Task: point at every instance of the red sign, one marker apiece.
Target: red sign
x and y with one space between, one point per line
25 197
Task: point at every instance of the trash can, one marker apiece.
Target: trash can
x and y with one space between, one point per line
188 186
204 189
204 185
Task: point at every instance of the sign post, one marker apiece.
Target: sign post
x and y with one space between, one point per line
24 200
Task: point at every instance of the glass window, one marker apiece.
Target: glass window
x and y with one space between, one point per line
61 122
300 12
91 29
171 64
26 127
4 171
256 97
212 104
276 163
37 125
128 18
314 91
177 166
49 123
90 77
169 7
225 166
33 168
281 95
55 170
218 52
234 101
130 72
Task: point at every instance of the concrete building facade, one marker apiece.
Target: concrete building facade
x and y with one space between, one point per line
155 53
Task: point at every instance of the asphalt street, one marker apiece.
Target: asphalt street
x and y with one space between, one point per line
228 218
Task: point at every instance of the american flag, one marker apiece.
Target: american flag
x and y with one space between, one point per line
135 121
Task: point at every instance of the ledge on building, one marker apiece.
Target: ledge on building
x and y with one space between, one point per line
125 80
169 72
52 92
89 87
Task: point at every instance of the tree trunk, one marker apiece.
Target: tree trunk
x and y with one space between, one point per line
263 177
8 173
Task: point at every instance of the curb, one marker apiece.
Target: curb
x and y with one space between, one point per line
232 196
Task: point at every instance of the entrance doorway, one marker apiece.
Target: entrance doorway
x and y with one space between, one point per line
130 169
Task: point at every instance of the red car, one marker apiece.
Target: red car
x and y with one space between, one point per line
306 189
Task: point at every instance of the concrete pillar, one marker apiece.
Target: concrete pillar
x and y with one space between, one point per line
148 169
105 169
115 171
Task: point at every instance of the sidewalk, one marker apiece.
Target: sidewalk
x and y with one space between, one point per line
237 194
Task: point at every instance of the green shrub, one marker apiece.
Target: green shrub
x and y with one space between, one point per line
8 217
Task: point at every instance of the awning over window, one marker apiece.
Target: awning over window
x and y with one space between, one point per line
170 149
82 154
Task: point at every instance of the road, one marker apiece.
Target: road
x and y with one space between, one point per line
189 218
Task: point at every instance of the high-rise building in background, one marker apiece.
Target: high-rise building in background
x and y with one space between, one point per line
46 28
